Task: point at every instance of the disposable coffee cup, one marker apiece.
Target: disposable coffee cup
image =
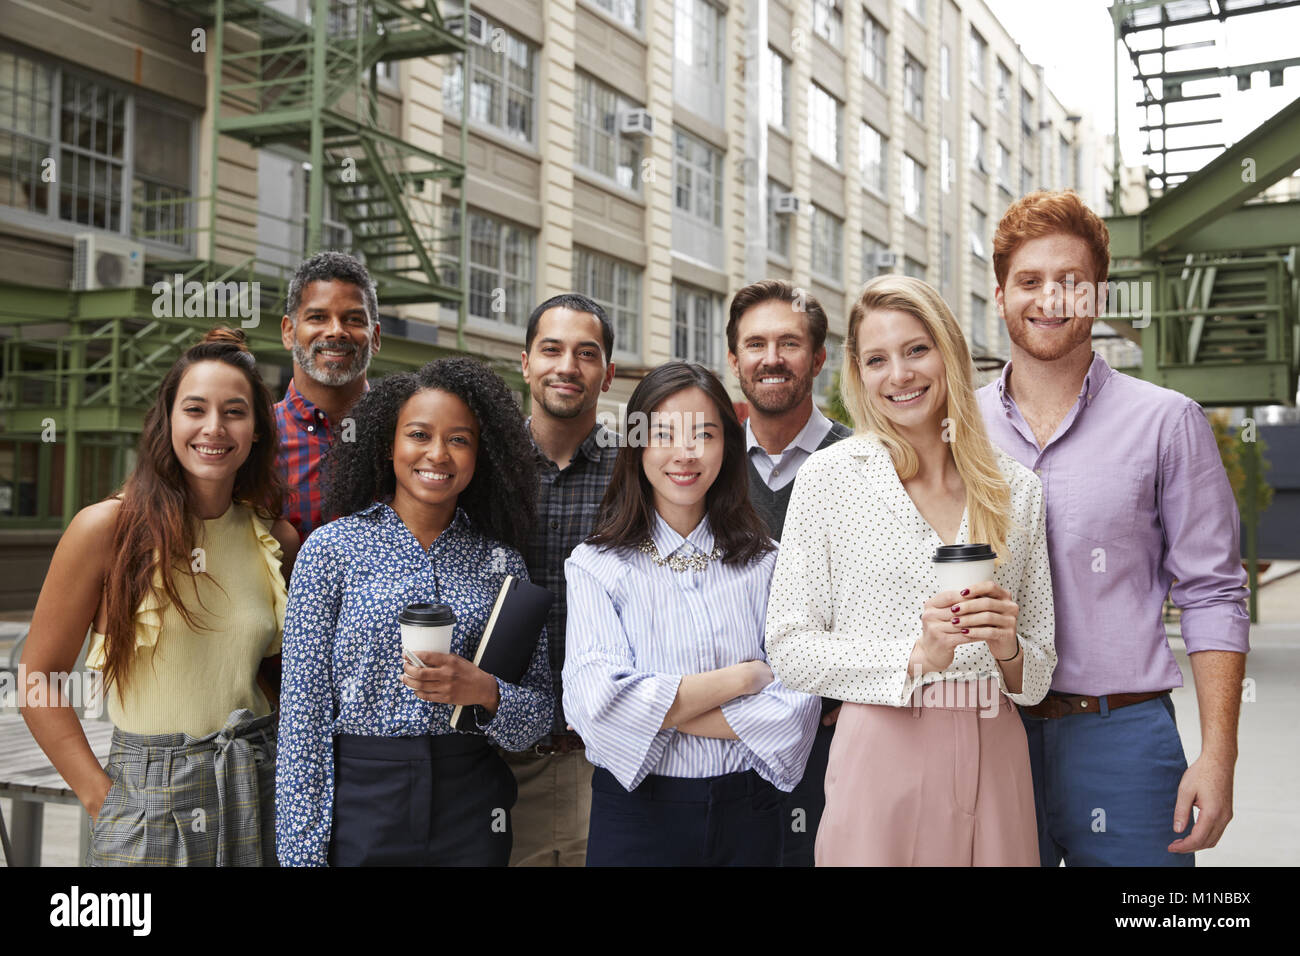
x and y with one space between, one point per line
427 627
960 566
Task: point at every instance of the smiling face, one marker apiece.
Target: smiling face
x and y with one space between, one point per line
435 449
1043 318
902 371
683 455
566 367
774 359
212 421
332 340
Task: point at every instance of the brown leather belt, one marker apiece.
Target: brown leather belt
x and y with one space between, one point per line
560 744
1063 705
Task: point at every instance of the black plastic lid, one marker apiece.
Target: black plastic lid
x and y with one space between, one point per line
954 553
427 615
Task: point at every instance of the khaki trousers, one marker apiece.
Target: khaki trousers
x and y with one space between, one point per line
551 816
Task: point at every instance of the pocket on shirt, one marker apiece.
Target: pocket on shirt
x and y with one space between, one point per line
1102 505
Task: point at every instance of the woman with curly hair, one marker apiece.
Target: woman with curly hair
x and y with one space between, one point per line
181 575
438 490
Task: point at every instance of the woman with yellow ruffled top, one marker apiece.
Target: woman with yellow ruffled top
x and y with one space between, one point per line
183 639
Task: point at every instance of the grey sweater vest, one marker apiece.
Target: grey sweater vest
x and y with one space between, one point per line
772 504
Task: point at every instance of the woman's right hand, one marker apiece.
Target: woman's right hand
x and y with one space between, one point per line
757 675
940 634
96 802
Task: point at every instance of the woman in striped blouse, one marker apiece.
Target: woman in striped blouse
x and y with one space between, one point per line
665 676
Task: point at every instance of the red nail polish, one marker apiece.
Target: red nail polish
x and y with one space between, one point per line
965 591
956 620
965 630
956 608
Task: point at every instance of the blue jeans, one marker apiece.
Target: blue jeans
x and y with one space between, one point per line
1105 786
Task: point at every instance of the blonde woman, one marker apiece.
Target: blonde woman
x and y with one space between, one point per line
929 765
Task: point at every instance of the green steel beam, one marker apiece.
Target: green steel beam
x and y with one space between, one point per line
1266 155
1255 226
1254 383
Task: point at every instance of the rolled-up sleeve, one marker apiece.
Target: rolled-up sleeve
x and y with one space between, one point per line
304 770
1202 538
805 652
615 708
523 715
1036 623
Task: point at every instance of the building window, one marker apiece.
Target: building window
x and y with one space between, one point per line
501 267
978 59
873 50
1028 119
616 287
697 179
827 245
945 263
979 230
945 164
698 54
778 226
1004 87
824 124
913 187
503 88
828 22
825 379
916 8
778 90
871 266
871 158
696 325
977 145
914 268
914 87
945 72
1004 166
978 319
1064 179
96 167
599 146
626 12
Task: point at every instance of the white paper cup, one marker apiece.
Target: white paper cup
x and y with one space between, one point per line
427 627
960 566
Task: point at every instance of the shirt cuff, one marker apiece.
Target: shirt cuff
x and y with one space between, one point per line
1221 627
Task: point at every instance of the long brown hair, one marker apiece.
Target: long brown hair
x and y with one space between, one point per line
155 528
626 515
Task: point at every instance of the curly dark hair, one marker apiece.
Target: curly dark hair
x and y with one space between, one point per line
501 498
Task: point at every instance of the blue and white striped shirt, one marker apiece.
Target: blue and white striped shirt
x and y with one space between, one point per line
636 628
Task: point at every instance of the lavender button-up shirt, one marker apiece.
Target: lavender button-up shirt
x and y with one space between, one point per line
1137 500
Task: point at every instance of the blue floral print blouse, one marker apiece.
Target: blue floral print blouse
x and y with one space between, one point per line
342 663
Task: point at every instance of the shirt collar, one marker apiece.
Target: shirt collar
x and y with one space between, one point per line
1099 373
667 540
303 410
593 446
809 438
382 511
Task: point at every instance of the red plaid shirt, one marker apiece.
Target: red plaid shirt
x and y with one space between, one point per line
305 435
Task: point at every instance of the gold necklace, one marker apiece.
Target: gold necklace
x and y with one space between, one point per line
677 562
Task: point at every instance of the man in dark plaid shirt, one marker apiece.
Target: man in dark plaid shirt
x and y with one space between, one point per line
331 325
566 363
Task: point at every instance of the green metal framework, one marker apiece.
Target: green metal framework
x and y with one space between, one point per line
81 368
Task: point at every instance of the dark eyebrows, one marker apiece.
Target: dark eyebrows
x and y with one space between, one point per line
458 428
589 343
921 339
201 399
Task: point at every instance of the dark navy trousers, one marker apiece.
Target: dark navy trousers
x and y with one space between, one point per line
729 820
439 800
1105 785
805 803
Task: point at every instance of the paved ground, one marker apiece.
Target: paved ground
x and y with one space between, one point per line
1265 830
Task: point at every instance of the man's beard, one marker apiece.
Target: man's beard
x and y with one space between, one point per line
776 401
557 408
1021 333
306 360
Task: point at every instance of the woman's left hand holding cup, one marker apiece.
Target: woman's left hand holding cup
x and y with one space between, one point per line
450 679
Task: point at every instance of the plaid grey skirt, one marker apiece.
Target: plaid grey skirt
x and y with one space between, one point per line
181 801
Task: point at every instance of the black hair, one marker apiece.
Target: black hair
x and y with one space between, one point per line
501 498
578 303
324 267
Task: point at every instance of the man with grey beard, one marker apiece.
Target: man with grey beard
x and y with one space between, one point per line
331 325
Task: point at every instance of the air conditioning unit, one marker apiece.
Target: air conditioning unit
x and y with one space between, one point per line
477 31
636 122
787 204
101 261
886 260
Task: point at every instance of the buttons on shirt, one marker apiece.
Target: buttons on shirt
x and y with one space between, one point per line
555 525
776 472
311 428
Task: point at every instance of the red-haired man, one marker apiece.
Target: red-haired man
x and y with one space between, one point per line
1137 502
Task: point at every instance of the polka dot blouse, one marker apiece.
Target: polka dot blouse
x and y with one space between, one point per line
855 570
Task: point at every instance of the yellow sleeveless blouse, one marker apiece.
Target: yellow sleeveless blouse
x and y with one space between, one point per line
188 681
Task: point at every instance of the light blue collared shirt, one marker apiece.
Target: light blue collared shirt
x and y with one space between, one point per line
636 628
779 471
